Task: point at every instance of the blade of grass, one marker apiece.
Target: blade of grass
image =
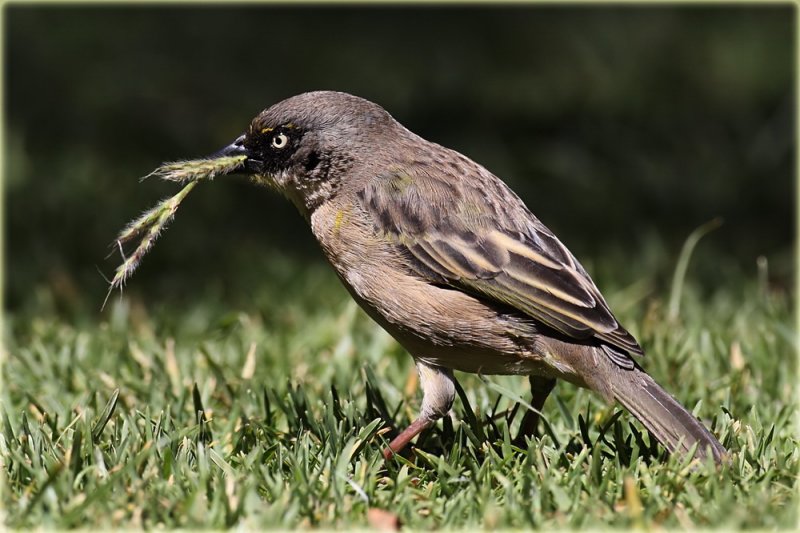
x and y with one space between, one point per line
105 416
683 264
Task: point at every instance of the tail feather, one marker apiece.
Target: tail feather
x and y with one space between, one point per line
675 427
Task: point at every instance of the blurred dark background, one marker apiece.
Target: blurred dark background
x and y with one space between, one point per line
622 128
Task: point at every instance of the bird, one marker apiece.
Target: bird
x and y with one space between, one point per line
445 257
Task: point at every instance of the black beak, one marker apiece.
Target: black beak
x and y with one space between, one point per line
237 147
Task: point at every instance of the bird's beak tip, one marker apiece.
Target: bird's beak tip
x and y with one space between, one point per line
235 148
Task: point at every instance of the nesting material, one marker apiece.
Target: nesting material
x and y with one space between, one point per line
149 226
197 169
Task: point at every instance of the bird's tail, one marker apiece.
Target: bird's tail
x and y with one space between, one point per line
675 427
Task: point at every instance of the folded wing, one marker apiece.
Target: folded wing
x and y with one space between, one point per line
487 243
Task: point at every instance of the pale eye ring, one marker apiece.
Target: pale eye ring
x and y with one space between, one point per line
280 141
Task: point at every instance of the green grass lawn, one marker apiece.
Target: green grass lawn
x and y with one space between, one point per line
273 413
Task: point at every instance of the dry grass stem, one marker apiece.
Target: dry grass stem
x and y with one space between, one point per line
150 225
197 169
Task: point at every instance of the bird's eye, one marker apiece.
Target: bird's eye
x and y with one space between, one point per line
280 141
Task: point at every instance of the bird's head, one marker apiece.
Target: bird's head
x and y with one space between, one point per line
306 146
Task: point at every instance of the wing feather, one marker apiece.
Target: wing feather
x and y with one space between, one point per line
503 255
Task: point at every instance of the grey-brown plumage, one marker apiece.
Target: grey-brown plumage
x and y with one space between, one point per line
443 255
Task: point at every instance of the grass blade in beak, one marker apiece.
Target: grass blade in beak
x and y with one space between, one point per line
197 169
150 225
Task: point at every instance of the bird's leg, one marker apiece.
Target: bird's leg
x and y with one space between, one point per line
540 388
438 392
